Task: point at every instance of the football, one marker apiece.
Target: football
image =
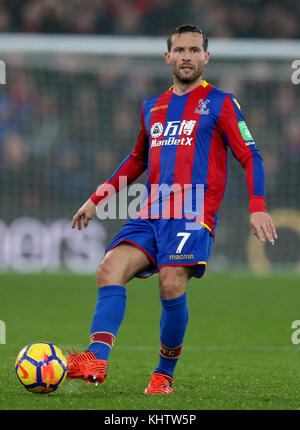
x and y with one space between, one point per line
41 367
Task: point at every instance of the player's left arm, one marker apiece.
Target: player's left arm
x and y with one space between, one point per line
237 135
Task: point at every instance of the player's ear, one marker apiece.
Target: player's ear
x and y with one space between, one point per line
167 57
206 57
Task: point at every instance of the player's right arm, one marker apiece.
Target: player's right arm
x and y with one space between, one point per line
130 168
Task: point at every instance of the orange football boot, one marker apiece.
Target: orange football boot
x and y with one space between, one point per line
87 367
160 384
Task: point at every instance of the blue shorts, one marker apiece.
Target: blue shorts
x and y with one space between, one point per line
168 242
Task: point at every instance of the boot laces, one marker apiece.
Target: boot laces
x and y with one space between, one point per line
76 358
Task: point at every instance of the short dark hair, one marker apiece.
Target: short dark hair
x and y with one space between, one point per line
187 28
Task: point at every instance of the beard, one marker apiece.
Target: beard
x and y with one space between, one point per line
184 79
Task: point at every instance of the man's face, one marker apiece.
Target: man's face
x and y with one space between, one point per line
187 56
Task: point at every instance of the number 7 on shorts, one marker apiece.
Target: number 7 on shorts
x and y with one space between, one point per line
185 237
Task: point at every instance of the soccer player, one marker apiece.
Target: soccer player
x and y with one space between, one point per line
183 141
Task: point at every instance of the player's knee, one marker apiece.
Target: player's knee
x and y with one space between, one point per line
103 275
109 273
171 285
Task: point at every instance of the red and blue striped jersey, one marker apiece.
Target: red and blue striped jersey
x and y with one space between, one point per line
183 144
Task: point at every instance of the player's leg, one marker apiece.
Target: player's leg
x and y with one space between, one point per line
173 323
184 249
132 251
119 265
117 268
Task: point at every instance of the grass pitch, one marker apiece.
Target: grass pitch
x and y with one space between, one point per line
237 353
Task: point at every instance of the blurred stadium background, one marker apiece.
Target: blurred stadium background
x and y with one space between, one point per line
76 75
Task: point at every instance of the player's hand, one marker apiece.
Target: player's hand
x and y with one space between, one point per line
84 215
263 227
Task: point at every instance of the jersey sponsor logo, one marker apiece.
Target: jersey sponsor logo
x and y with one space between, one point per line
202 108
245 132
186 141
183 128
174 128
179 127
156 129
